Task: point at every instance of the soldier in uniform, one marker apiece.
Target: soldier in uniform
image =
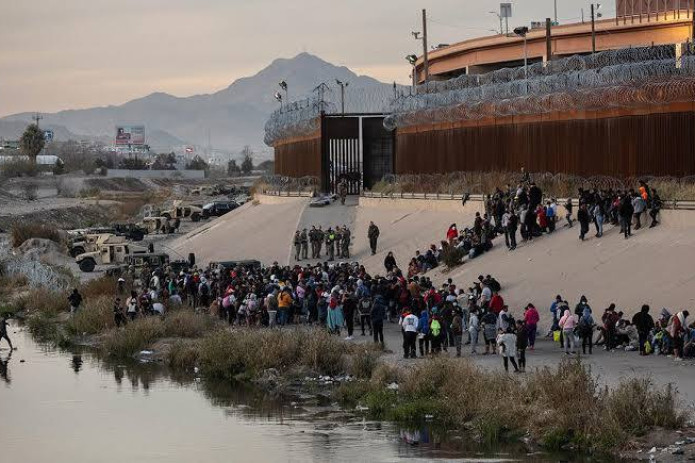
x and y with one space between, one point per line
346 242
312 241
305 244
342 191
338 241
297 245
330 244
320 236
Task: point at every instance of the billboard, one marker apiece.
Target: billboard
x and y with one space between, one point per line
130 135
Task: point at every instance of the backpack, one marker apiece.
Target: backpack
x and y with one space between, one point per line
494 285
435 328
583 327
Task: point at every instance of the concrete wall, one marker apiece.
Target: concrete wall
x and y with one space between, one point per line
187 174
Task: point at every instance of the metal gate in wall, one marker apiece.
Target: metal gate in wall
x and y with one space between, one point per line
356 149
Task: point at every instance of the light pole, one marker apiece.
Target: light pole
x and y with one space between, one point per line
523 32
278 96
283 85
594 14
412 59
342 94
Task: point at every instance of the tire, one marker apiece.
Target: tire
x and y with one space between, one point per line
195 217
76 251
87 265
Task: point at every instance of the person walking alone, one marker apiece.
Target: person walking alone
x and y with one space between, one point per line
373 235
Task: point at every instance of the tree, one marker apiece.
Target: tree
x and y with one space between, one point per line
32 142
197 163
232 168
267 166
247 163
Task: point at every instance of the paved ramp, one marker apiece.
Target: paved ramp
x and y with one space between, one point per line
261 231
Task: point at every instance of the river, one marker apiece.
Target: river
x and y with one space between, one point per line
61 407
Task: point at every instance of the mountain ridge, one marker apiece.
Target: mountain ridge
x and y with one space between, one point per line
230 118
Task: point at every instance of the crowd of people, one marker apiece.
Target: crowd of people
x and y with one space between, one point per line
668 335
344 298
619 208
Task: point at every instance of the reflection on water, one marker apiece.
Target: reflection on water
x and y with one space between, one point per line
70 407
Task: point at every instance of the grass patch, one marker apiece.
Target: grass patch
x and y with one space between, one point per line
136 336
183 355
225 354
20 232
95 316
559 407
186 324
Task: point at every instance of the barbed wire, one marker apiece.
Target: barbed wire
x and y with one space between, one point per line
615 78
605 80
301 118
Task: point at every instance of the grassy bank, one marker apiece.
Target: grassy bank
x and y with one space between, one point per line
559 408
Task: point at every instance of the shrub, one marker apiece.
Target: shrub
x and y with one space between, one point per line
42 300
363 362
20 232
99 287
183 355
186 324
43 326
19 168
638 405
93 317
136 336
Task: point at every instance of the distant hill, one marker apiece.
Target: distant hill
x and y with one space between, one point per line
232 117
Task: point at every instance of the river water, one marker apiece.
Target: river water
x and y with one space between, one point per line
62 407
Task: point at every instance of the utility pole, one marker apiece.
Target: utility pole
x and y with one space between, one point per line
548 41
424 45
556 12
342 95
36 118
593 29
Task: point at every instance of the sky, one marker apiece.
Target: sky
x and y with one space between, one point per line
73 54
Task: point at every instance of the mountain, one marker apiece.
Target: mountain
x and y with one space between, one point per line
231 118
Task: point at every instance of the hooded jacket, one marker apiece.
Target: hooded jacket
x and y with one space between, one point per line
568 322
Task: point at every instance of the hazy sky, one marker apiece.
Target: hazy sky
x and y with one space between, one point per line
65 54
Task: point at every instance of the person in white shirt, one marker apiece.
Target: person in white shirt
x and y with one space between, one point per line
408 323
473 329
507 343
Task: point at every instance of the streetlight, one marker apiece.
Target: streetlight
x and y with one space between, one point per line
412 59
342 94
278 96
499 16
522 32
594 13
283 85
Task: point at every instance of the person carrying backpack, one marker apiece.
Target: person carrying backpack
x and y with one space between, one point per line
585 329
365 311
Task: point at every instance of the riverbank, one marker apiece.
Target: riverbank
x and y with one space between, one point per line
557 405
